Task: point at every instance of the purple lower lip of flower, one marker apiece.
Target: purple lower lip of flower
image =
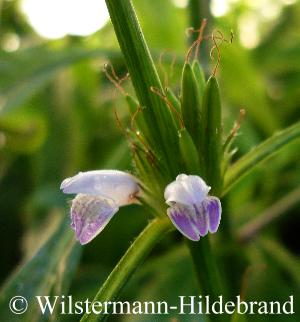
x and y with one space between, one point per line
213 208
90 215
182 220
192 211
195 222
100 193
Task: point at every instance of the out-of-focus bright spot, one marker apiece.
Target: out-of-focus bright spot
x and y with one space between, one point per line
248 30
271 9
180 3
288 2
57 18
10 42
268 9
219 7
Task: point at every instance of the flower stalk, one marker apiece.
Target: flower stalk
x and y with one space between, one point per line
134 256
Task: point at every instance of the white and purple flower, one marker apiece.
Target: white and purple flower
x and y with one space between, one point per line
100 193
192 211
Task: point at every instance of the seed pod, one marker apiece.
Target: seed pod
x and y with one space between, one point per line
173 99
190 103
136 113
200 77
175 106
211 136
188 152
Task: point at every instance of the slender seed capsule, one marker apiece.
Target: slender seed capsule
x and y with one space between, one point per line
200 77
137 114
189 152
173 99
211 136
190 102
174 104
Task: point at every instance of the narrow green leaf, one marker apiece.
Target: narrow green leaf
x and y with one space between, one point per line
49 270
134 256
189 152
190 102
282 256
211 136
259 154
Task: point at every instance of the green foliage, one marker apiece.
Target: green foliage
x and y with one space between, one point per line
190 102
211 136
162 132
189 152
50 271
57 118
260 153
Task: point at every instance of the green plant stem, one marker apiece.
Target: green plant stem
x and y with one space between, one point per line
161 132
133 257
207 271
199 10
260 153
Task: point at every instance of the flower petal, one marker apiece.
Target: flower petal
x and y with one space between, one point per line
213 209
201 220
182 218
119 186
187 190
90 215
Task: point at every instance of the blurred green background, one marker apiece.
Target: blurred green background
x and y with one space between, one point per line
57 118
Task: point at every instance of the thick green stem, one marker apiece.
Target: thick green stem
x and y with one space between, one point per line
199 10
207 272
161 132
134 256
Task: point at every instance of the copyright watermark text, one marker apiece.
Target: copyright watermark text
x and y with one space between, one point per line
189 305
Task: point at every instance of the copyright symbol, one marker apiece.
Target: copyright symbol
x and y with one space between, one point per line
18 304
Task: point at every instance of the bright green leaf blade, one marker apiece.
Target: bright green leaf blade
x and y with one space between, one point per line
282 256
260 153
50 269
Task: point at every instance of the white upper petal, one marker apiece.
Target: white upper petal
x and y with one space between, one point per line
119 186
187 190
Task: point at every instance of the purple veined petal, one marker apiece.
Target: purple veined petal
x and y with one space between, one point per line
182 218
119 186
90 215
201 220
213 209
